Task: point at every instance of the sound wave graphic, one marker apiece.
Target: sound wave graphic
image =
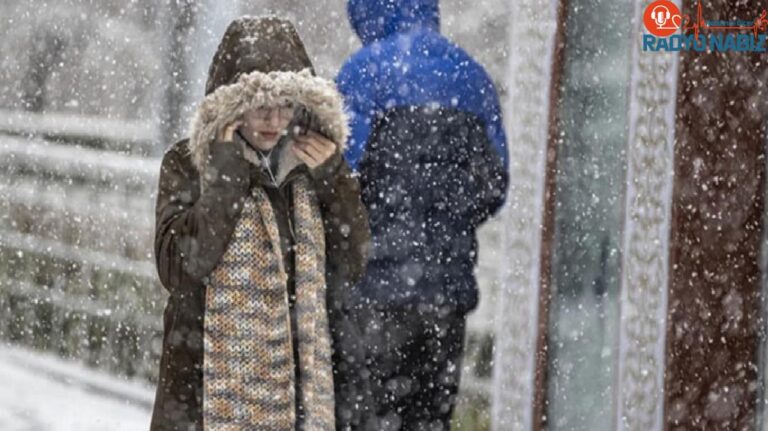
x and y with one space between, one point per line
759 25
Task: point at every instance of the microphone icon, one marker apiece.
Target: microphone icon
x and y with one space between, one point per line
661 14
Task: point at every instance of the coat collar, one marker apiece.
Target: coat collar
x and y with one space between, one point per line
261 177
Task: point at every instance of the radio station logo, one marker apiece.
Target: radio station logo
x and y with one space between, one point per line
662 18
668 30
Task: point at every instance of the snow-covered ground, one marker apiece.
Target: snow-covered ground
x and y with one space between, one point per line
39 392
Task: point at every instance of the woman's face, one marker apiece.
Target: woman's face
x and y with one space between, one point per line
263 127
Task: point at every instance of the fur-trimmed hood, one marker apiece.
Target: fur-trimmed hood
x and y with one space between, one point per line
261 61
257 89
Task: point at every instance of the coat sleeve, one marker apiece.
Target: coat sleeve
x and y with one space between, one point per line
485 180
493 118
347 231
192 229
470 183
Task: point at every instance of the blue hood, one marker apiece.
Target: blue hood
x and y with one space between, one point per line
411 64
374 20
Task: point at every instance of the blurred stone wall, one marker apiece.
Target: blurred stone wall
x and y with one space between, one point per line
81 57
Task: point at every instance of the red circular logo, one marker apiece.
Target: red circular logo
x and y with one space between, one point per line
662 18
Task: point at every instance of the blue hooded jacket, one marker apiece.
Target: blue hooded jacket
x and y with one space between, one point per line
428 143
405 61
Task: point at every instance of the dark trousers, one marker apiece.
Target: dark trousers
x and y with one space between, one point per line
414 357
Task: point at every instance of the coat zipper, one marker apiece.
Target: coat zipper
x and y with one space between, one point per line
279 188
286 203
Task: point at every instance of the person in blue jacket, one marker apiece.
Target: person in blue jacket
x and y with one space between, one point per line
428 143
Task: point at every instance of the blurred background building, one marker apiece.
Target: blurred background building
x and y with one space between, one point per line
622 285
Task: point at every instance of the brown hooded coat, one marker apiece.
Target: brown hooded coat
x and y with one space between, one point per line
196 214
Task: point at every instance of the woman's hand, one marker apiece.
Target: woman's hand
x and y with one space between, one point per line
313 148
227 134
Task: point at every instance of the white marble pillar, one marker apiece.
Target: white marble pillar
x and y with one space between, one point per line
645 251
533 26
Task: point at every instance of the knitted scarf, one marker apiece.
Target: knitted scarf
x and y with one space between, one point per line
248 374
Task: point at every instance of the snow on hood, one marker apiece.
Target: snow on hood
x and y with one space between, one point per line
373 20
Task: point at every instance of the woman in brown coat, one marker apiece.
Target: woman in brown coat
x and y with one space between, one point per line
259 232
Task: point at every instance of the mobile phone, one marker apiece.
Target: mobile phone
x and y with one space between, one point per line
303 121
